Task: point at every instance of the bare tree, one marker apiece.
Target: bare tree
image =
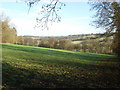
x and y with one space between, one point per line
49 12
52 42
108 17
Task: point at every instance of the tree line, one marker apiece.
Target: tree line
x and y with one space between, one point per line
90 45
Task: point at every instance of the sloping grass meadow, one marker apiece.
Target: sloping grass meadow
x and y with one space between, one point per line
37 67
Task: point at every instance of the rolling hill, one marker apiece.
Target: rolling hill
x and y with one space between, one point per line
37 67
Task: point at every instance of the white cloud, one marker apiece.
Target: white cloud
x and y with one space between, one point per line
25 27
63 29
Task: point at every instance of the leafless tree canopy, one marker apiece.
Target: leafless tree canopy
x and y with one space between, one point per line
108 17
105 15
49 12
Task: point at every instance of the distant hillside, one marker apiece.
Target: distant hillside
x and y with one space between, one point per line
77 38
98 37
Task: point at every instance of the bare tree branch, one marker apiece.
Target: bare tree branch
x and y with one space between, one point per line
49 12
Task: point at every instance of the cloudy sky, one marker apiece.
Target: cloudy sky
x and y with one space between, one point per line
76 18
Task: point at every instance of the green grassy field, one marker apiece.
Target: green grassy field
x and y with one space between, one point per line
37 67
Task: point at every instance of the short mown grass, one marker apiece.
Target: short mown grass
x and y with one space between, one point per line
37 67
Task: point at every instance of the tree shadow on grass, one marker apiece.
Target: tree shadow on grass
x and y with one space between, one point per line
19 78
14 77
86 65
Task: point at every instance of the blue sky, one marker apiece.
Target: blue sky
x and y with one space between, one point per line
75 18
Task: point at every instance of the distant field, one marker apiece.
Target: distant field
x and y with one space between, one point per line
37 67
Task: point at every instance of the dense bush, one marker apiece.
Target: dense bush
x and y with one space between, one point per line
88 45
